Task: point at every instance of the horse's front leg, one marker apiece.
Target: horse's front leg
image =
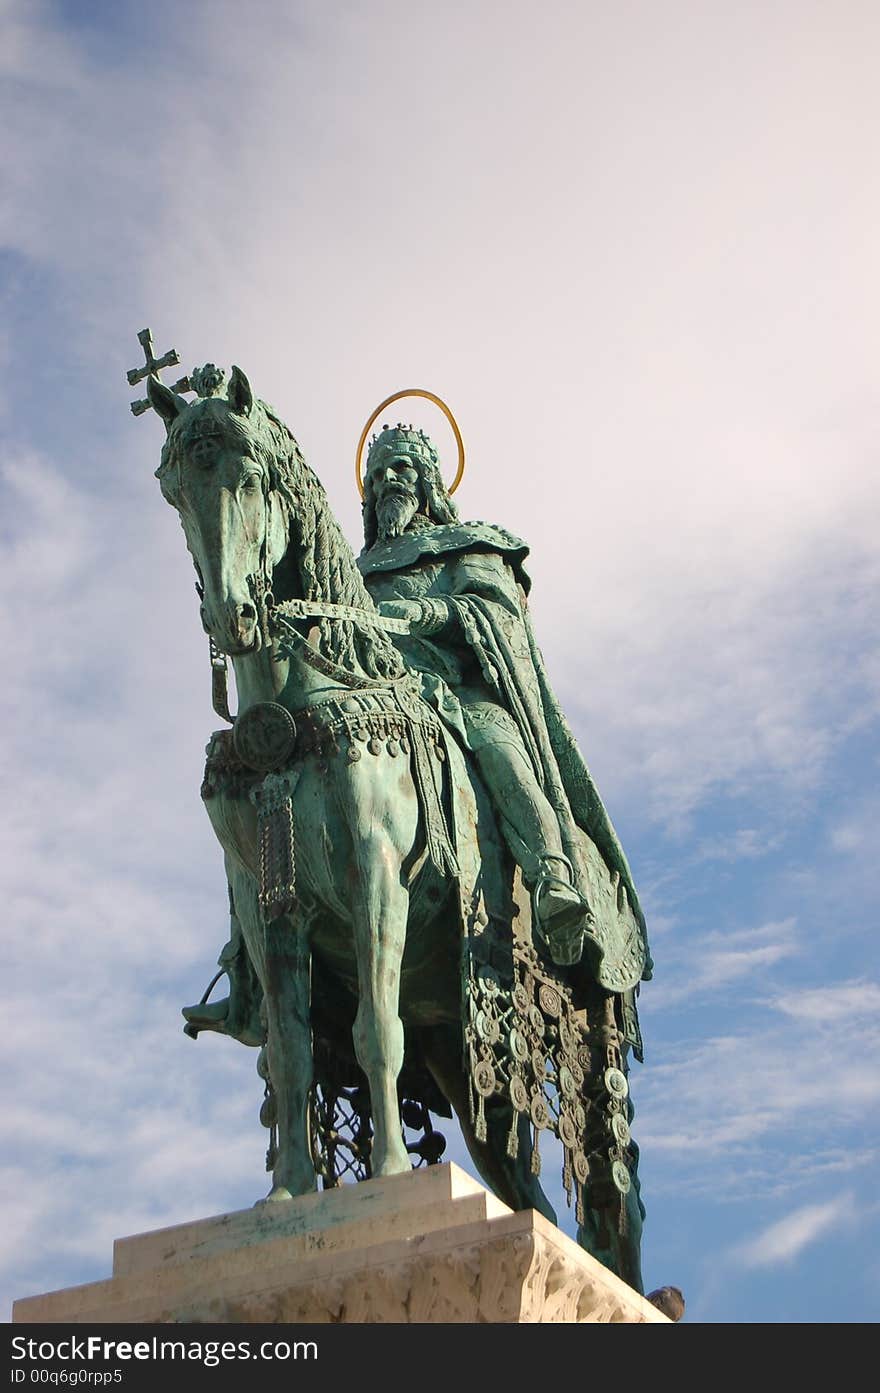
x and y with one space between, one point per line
289 1047
382 823
380 933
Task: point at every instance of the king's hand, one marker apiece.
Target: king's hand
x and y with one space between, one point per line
400 609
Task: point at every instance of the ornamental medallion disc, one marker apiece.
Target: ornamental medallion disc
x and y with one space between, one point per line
264 736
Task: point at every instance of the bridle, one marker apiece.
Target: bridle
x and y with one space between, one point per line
277 621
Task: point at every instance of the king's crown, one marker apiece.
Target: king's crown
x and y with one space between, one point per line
402 440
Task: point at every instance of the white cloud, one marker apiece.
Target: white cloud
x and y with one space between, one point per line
854 834
746 844
785 1240
717 1099
853 1002
849 837
721 534
705 964
659 336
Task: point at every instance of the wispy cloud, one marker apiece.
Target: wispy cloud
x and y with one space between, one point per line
853 834
705 964
753 716
855 1002
717 1099
664 376
746 844
701 660
785 1240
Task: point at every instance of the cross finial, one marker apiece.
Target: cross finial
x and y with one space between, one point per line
152 367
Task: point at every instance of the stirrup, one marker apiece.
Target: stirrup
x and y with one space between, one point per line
206 1015
564 946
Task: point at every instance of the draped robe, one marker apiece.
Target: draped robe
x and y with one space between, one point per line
483 657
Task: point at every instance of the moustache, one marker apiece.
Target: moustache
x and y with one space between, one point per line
397 491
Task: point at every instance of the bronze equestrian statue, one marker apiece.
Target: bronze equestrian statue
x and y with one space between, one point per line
429 906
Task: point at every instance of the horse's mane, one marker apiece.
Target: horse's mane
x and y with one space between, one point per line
319 563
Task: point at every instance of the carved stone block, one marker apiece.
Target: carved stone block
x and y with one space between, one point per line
431 1246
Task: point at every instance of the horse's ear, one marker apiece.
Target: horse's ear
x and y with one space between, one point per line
164 402
241 398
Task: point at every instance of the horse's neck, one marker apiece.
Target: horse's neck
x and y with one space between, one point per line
290 681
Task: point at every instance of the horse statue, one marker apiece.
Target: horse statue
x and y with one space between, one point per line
376 911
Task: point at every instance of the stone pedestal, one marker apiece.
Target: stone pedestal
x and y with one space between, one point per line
431 1246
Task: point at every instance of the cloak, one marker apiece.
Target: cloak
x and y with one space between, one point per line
486 587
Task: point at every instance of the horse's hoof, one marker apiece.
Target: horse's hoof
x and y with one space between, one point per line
277 1193
401 1166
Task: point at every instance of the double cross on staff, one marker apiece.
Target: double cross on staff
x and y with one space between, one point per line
153 366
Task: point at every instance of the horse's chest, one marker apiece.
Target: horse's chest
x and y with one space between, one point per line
318 833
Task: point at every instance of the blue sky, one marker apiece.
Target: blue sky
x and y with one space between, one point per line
635 248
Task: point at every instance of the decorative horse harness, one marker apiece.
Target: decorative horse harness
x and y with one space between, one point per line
263 753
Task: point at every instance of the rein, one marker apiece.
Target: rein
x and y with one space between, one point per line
281 618
295 642
325 609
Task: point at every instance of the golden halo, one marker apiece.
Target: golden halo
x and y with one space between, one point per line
410 392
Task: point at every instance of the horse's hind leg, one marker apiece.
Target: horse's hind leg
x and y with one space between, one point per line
511 1180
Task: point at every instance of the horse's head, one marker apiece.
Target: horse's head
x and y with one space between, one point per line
216 472
256 519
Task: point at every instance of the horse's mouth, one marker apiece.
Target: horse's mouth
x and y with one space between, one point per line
243 644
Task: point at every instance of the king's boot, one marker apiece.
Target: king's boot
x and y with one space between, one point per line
561 913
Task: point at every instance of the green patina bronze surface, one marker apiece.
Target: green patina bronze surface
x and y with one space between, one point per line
429 907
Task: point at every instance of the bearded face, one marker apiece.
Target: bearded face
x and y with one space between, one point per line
395 511
396 488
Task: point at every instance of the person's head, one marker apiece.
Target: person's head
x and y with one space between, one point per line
402 483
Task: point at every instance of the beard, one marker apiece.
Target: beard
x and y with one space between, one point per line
394 513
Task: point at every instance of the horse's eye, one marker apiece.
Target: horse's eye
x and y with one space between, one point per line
251 483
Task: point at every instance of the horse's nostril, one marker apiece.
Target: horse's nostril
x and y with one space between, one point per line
248 612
